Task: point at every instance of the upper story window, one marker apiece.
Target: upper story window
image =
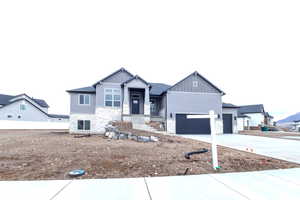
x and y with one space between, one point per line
112 97
84 99
22 107
195 83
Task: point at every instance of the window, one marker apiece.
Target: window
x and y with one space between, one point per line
195 83
152 107
112 97
22 107
84 99
84 125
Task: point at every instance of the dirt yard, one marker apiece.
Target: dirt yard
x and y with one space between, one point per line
271 134
32 155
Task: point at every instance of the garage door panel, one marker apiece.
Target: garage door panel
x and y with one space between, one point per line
186 125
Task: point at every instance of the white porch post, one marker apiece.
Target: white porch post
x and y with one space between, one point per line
147 102
126 101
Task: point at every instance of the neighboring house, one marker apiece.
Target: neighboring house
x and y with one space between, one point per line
24 108
243 122
125 97
257 116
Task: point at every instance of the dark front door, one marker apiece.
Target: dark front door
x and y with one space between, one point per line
135 106
185 125
227 123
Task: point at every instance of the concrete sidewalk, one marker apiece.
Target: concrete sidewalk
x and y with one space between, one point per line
263 185
283 149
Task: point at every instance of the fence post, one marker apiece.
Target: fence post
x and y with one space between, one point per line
213 140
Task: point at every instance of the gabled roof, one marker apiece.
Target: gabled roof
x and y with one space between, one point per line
6 99
196 73
119 70
259 108
158 89
229 105
134 78
89 89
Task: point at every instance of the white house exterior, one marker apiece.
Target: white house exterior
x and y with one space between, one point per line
24 108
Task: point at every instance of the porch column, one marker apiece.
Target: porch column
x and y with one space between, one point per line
126 101
147 102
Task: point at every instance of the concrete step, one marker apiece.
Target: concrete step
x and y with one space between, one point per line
145 127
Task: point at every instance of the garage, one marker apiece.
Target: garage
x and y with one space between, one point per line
190 124
227 123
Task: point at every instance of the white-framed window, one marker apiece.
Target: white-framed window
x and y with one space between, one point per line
22 106
195 83
84 99
84 125
112 97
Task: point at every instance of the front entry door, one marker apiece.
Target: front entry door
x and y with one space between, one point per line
135 106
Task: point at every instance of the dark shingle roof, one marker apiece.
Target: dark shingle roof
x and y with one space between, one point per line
59 116
158 88
89 89
5 99
259 108
229 105
268 115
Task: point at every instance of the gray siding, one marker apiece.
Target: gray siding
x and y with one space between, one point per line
187 85
119 77
30 114
75 108
100 93
179 102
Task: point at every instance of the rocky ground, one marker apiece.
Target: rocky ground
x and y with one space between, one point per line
33 155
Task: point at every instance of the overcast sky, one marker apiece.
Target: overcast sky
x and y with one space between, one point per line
249 49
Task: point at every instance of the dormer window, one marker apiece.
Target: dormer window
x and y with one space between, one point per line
195 83
84 99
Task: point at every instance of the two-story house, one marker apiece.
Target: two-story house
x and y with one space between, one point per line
122 96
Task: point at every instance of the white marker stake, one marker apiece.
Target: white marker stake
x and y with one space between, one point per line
213 140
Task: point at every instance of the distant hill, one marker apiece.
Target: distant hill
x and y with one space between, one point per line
295 117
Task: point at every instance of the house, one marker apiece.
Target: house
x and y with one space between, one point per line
243 122
24 108
254 116
126 97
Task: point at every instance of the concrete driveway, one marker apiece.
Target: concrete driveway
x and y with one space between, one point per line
283 149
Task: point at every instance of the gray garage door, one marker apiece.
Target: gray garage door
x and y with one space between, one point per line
185 125
227 123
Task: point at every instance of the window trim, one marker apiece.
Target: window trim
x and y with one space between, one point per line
83 125
84 104
112 93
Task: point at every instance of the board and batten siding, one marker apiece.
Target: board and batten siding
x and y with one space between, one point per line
187 85
119 77
75 108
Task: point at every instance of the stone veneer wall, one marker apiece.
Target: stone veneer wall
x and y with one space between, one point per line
99 120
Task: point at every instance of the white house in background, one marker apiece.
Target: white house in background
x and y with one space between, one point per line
253 116
24 108
243 122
